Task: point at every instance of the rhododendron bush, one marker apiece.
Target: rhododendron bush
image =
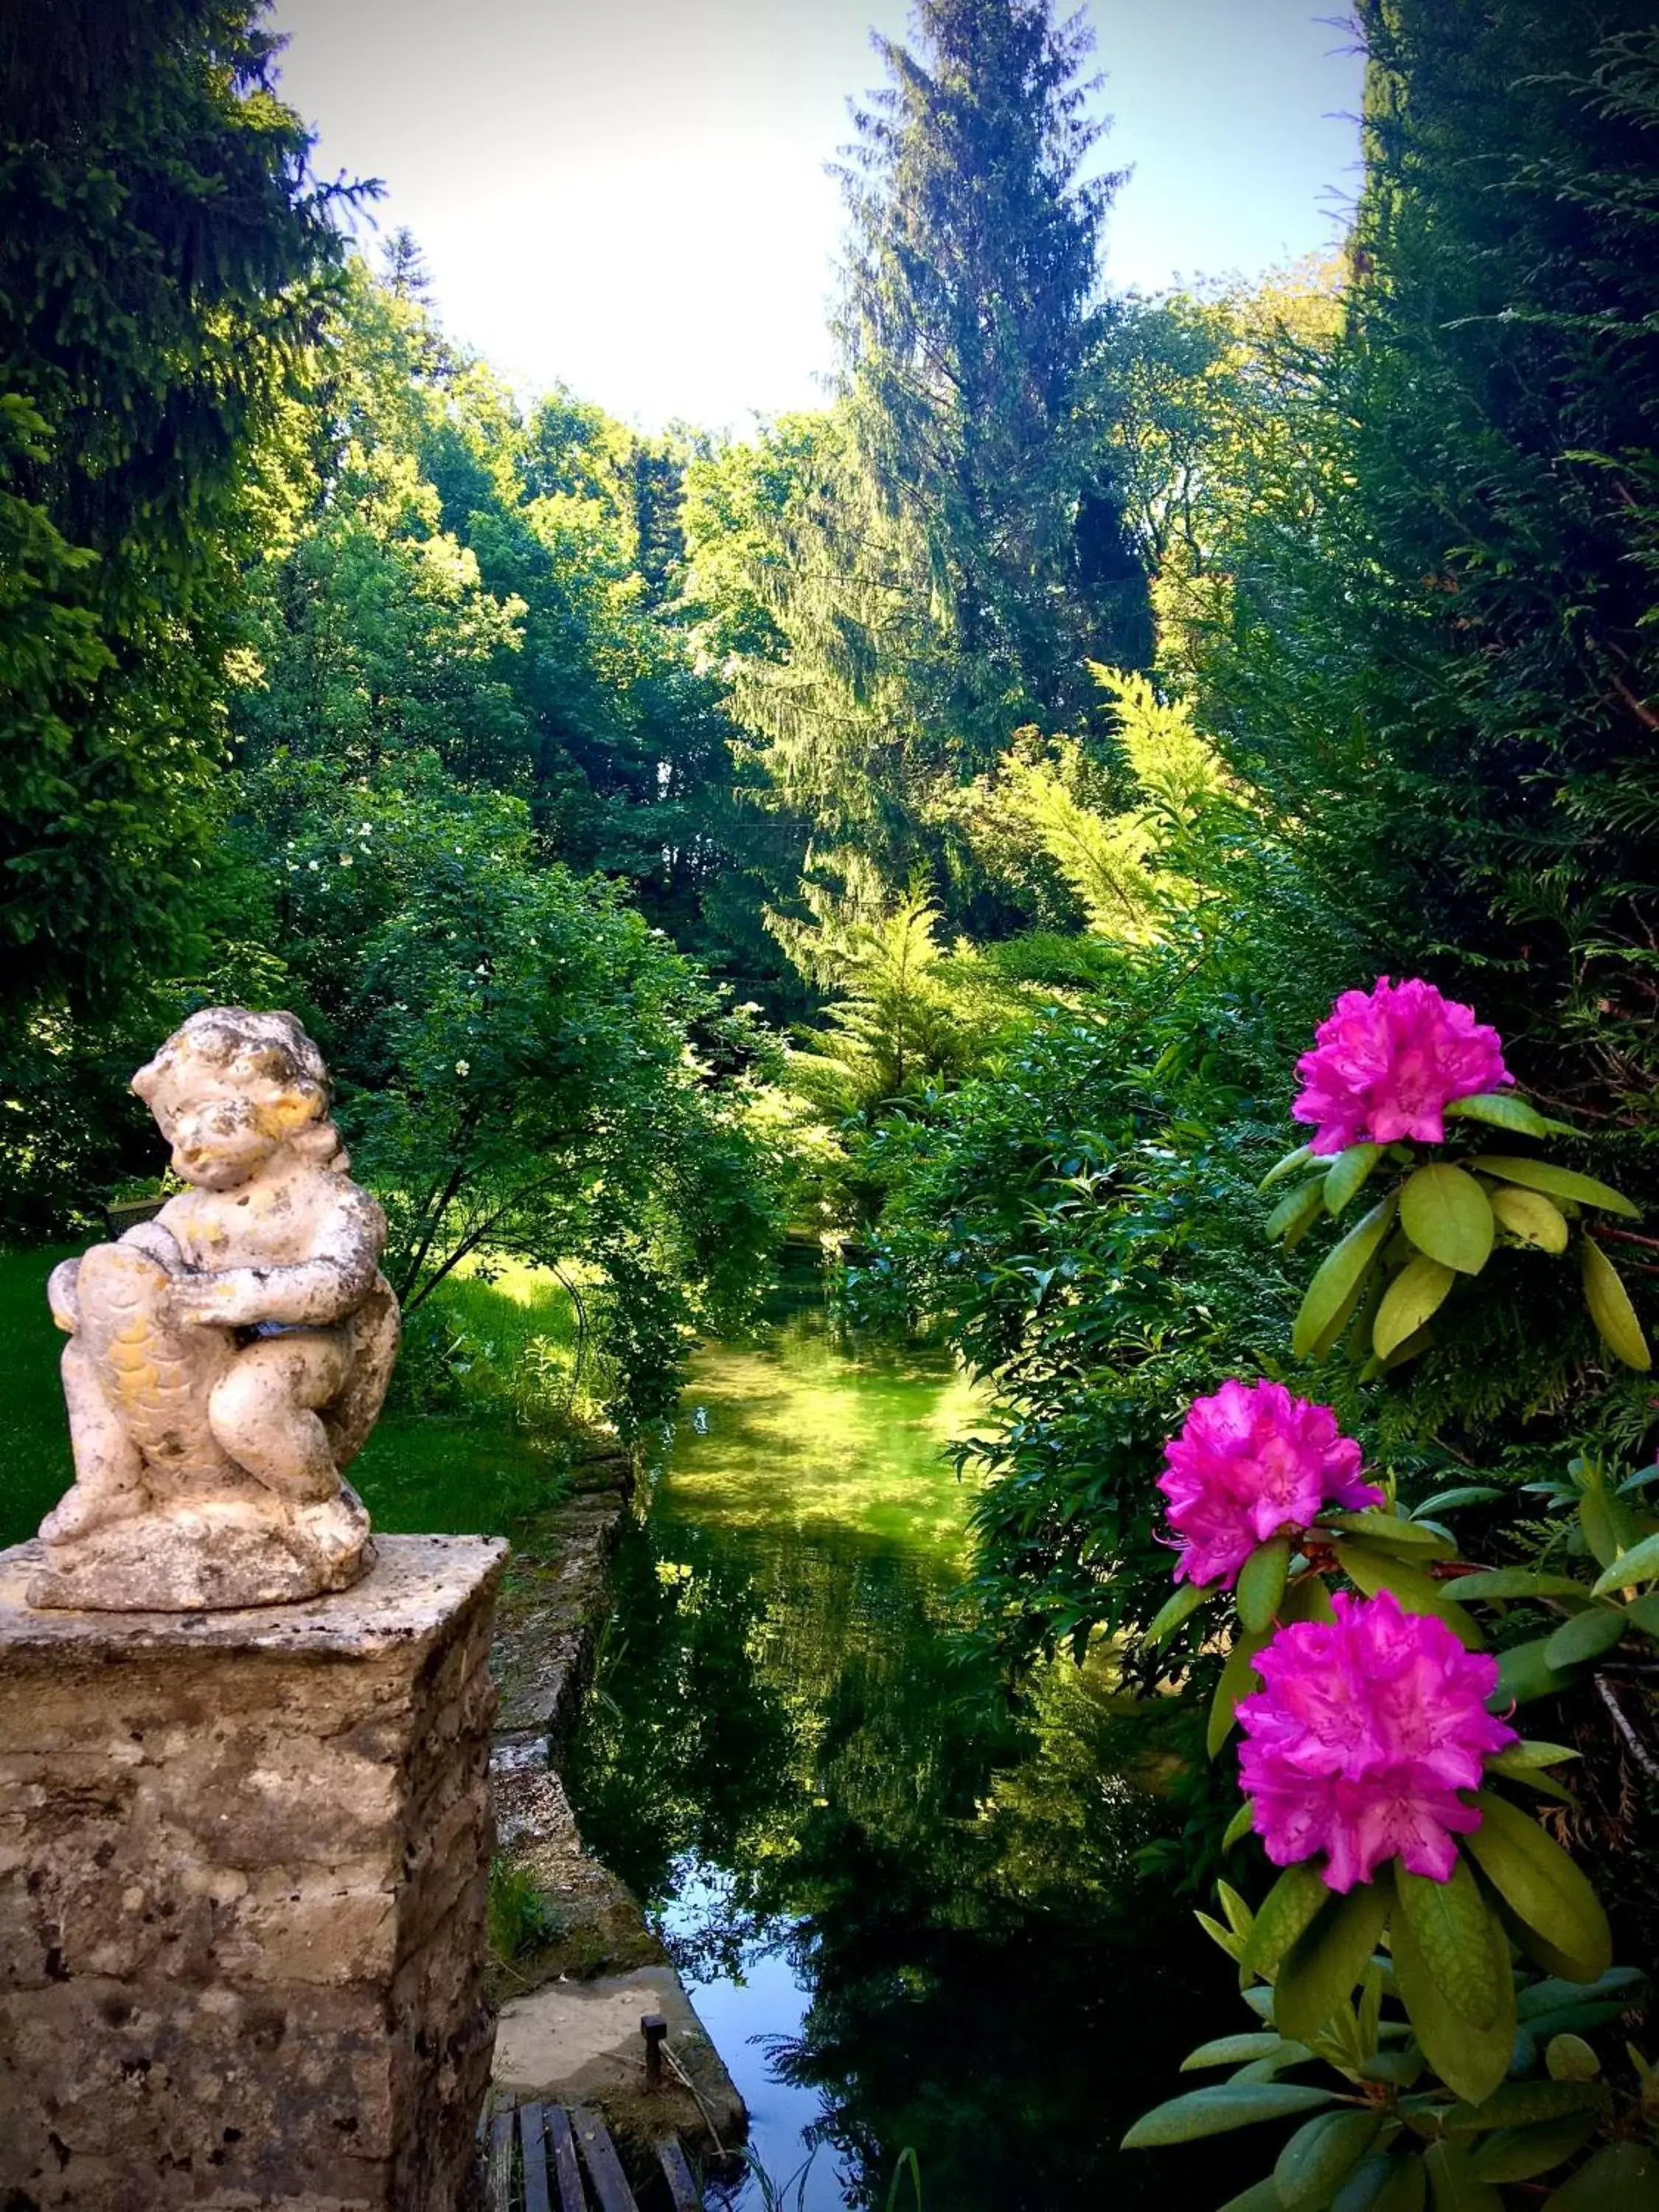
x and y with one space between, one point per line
1426 1937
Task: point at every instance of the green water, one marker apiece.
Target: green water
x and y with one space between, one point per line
908 1903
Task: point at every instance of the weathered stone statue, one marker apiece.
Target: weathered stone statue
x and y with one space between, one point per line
230 1356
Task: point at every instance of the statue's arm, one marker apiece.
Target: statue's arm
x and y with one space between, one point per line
62 1296
313 1292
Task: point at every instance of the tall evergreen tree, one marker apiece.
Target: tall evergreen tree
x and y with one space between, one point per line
970 317
948 551
1440 658
162 249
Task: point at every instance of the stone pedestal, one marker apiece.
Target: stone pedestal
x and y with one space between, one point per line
243 1872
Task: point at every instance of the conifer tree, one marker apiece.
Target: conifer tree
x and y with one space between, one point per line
162 251
970 316
947 552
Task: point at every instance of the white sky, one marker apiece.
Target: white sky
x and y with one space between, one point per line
628 196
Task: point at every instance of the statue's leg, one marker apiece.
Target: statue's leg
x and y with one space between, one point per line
109 1468
261 1412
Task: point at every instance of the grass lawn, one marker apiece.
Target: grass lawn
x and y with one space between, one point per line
475 1471
34 1454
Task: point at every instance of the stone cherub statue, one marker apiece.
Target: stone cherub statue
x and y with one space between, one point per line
229 1356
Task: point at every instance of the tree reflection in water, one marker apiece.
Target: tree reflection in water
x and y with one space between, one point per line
798 1752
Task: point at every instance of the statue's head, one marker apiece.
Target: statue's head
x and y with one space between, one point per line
231 1088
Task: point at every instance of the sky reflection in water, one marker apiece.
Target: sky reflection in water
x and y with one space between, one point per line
906 1903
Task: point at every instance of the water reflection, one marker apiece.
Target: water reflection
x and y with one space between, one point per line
909 1904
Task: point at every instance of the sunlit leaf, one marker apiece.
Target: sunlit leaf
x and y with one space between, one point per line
1611 1309
1556 1183
1261 1582
1447 1216
1288 1165
1339 1277
1639 1564
1416 1293
1499 1109
1348 1172
1530 1216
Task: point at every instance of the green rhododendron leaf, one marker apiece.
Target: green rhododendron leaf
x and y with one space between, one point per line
1259 2197
1519 2103
1542 1886
1238 1680
1639 1564
1518 1582
1293 1216
1621 2177
1319 1972
1499 1109
1348 1172
1307 1599
1337 1284
1299 1893
1239 1826
1556 1183
1530 1777
1586 1636
1524 1673
1472 2060
1465 1493
1228 2104
1321 2155
1448 1216
1393 1533
1237 2050
1261 1582
1384 2185
1611 1310
1416 1294
1460 1945
1187 1599
1522 2154
1288 1165
1530 1216
1372 1570
1454 2184
1569 2058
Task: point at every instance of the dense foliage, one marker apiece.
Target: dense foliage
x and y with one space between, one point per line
1050 728
163 259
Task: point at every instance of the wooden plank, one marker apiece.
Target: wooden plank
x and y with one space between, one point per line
501 2161
556 2122
677 2174
534 2141
604 2167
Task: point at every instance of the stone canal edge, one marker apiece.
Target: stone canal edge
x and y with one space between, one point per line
569 2003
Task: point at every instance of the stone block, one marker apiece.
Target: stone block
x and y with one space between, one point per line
243 1886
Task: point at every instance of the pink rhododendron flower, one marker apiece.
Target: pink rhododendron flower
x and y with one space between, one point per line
1249 1460
1365 1733
1386 1064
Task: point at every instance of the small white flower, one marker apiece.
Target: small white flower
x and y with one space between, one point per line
464 1067
345 860
313 865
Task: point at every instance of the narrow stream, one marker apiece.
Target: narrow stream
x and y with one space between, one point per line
909 1907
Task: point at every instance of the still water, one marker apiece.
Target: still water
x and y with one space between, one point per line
911 1908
